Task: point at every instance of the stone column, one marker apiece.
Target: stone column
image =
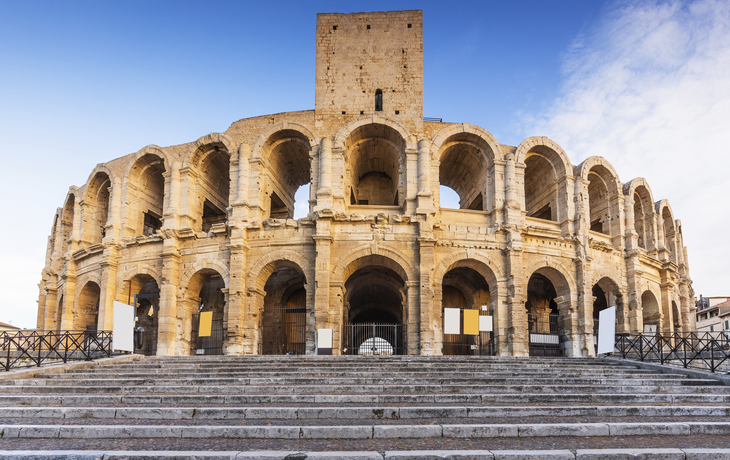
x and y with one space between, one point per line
512 212
108 287
323 311
516 343
421 330
76 230
324 192
244 169
114 222
425 196
172 185
168 314
236 299
187 207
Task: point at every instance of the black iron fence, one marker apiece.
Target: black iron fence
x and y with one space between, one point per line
33 348
211 344
375 339
544 335
698 350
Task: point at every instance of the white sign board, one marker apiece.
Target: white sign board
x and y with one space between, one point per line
485 324
606 330
123 327
452 321
324 338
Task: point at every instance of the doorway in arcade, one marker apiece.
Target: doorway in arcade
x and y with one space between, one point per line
375 312
466 289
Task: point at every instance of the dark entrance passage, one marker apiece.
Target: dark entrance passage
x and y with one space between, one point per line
466 289
211 305
542 317
147 301
284 318
375 309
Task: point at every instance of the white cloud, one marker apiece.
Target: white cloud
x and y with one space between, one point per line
648 88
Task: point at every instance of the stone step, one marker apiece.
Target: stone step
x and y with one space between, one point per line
192 400
342 381
579 454
355 413
366 389
472 431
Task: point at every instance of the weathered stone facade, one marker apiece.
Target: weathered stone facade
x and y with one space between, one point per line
207 226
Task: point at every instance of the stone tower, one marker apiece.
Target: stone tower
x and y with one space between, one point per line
370 63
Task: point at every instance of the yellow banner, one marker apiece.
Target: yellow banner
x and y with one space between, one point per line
471 322
206 323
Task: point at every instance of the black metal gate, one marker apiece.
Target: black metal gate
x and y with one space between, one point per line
375 339
283 331
469 345
544 335
212 345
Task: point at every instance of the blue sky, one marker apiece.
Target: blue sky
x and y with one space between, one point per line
642 83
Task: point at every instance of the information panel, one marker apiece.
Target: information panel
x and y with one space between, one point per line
452 321
606 330
123 327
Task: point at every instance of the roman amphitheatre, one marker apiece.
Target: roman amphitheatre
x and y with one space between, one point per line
538 244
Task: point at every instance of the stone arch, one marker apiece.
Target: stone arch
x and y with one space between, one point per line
84 279
567 284
466 156
145 193
669 229
543 169
480 263
258 145
95 211
642 200
210 180
100 168
604 190
264 266
142 270
284 152
399 263
214 265
344 132
86 304
151 149
651 309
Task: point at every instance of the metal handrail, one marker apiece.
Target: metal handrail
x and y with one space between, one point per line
699 350
19 349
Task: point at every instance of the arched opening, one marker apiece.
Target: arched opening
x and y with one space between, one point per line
205 306
464 163
96 209
375 307
58 320
213 184
301 201
283 321
606 294
547 307
146 295
650 312
541 188
676 317
669 234
448 198
146 197
639 221
466 289
373 170
598 201
67 224
379 100
644 217
287 152
86 314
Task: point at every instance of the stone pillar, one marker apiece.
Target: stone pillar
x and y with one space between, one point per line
324 312
47 321
411 181
187 207
516 334
108 289
324 192
584 310
568 324
172 185
236 299
512 212
76 230
244 169
67 316
421 330
114 222
168 313
425 196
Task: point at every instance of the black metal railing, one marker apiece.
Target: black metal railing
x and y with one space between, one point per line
375 339
697 350
33 348
544 334
208 345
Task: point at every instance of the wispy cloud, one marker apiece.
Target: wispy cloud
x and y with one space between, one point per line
648 88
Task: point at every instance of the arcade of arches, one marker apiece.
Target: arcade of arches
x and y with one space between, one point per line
207 229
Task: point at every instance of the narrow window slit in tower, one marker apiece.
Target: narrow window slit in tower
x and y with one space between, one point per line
379 100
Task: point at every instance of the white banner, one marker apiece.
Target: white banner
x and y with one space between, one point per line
485 324
606 330
452 321
324 338
123 327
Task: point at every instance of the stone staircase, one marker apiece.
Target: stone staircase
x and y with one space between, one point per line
400 407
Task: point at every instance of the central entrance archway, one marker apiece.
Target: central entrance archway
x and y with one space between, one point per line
375 308
283 322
